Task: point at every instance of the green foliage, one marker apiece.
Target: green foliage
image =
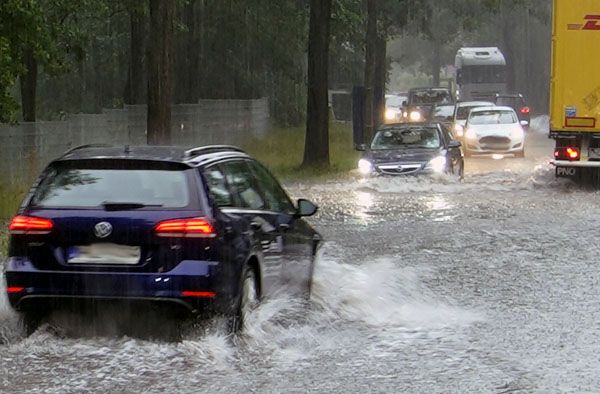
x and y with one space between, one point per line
11 197
3 238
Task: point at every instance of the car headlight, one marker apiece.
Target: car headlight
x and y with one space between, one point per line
415 116
517 133
390 114
438 164
470 134
365 166
460 130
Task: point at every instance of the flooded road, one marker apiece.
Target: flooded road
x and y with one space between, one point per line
489 285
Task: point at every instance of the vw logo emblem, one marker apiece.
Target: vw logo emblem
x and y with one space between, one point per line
102 229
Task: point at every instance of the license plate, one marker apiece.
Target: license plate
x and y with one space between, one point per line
104 253
567 172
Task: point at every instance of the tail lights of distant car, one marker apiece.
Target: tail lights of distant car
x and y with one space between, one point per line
185 228
30 225
364 166
14 289
566 153
525 110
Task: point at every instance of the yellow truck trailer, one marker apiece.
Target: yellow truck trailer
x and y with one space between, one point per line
575 87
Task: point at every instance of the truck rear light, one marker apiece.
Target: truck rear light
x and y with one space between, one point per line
566 153
188 228
525 110
198 294
30 225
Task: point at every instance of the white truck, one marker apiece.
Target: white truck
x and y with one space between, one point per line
480 73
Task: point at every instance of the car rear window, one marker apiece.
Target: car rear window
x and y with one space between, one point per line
510 101
82 187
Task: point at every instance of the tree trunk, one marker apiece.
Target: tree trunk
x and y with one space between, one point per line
436 63
380 82
370 69
159 72
136 77
316 146
136 93
29 86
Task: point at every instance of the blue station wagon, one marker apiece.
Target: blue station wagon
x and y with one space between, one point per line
207 229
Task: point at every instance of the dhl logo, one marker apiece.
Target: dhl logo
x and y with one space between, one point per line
591 24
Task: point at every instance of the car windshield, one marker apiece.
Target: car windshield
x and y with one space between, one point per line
430 97
462 113
443 111
510 101
394 101
492 117
413 137
91 188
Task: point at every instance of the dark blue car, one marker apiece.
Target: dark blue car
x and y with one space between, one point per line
207 229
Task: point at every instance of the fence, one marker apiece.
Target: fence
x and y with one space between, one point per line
28 147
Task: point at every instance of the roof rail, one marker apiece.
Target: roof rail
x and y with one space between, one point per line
210 149
86 146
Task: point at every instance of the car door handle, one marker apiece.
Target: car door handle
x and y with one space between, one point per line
284 227
255 226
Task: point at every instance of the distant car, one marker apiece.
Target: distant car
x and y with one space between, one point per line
206 229
494 129
393 107
443 113
516 102
411 149
421 101
461 113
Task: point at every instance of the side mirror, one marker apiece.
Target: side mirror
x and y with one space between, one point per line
360 147
306 208
524 123
454 144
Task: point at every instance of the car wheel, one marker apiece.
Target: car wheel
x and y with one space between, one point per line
31 320
520 153
248 300
461 170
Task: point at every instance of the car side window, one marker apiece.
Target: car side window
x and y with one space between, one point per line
277 198
246 193
217 186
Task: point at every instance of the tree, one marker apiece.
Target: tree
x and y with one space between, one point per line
316 146
159 72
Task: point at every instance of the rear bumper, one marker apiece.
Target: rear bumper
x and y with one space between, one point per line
195 286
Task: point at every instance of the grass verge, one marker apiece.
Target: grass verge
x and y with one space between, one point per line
3 238
281 150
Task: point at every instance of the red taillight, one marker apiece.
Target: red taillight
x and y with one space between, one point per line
198 294
191 228
14 289
30 225
568 153
525 110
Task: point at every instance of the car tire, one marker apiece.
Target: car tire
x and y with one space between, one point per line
30 321
461 170
248 300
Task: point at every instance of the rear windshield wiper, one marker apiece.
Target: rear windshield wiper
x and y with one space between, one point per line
123 206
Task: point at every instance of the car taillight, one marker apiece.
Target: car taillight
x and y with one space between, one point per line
525 110
188 228
198 294
14 289
30 225
568 153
